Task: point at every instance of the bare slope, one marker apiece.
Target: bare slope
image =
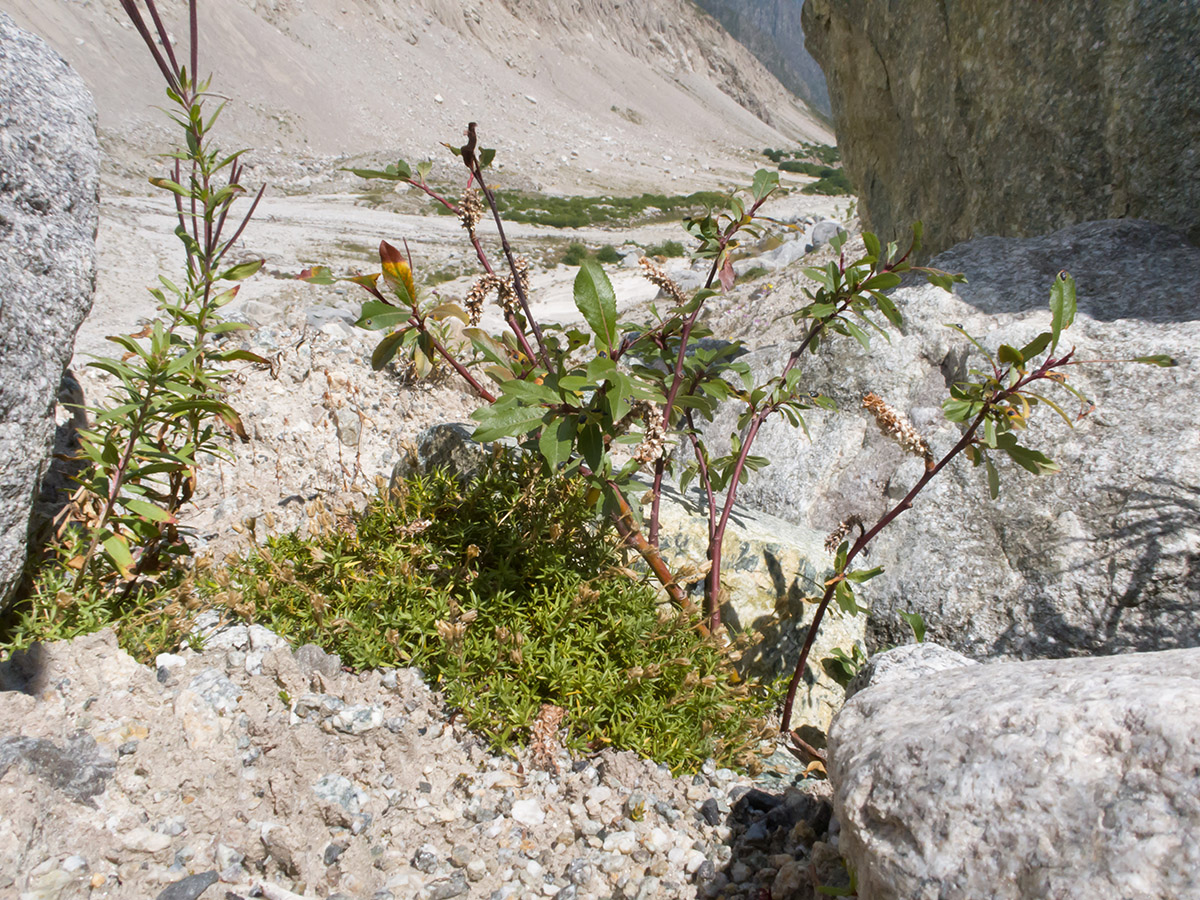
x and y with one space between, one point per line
622 84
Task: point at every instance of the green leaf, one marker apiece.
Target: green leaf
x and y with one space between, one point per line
377 315
993 478
117 549
859 335
148 510
1160 359
557 441
1037 345
1031 460
174 188
597 303
765 181
1010 355
916 623
504 420
959 410
871 242
386 349
398 172
244 355
844 595
881 282
618 396
486 155
1062 306
591 445
860 576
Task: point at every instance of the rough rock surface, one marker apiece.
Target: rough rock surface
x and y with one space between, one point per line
1099 558
1044 779
768 574
49 176
772 31
908 661
279 774
1014 118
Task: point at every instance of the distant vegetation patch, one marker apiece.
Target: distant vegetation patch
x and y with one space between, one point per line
822 153
667 248
577 252
818 161
580 212
833 185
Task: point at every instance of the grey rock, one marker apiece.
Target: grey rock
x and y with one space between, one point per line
349 426
1093 118
782 256
357 719
320 705
188 888
76 768
1101 557
1042 779
454 886
332 852
312 659
447 446
342 798
824 232
425 859
216 688
909 661
49 177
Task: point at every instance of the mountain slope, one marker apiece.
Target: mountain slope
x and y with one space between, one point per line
771 30
621 84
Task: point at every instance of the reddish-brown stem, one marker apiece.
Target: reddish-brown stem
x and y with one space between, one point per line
417 322
633 537
869 535
518 288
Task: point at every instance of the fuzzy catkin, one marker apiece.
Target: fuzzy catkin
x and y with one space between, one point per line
897 427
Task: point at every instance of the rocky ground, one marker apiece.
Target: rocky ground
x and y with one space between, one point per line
251 769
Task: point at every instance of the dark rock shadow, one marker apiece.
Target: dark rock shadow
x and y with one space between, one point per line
1108 259
1160 607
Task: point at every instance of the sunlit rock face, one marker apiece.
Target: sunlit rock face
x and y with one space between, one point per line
1016 117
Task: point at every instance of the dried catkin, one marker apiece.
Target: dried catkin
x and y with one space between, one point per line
840 533
897 427
653 273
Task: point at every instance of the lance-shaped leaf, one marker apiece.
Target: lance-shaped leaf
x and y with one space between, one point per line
1160 359
505 419
387 349
1062 306
398 172
597 303
117 549
149 510
241 271
377 316
397 273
